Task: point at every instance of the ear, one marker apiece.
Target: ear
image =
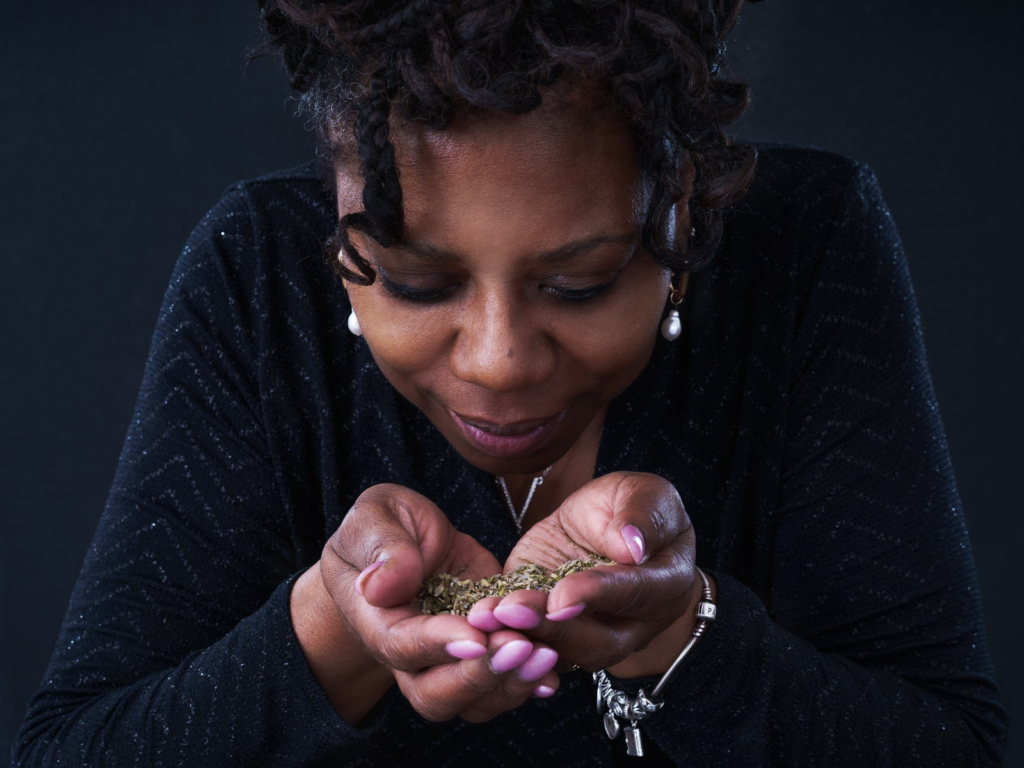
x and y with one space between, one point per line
687 173
349 188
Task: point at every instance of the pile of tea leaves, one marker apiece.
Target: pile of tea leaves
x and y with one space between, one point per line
445 593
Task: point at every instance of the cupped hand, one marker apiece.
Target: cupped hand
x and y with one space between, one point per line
605 615
374 564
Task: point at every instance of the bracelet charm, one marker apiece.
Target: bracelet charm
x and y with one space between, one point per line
613 704
634 744
611 725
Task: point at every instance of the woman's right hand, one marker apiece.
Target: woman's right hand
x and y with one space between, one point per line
372 567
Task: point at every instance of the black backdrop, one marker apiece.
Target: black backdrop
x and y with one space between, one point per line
120 124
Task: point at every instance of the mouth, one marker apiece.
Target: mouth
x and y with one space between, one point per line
511 439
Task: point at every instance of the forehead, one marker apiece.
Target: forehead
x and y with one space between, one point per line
561 170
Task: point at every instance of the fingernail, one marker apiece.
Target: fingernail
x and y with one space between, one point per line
541 662
465 649
511 655
484 621
517 616
567 613
543 691
367 572
635 542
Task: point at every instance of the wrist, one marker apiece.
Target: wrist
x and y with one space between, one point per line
352 680
618 707
659 654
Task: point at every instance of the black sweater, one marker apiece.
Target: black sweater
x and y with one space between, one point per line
795 415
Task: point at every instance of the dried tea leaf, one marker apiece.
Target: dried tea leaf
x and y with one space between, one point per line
446 594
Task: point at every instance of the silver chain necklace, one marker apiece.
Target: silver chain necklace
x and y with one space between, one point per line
518 517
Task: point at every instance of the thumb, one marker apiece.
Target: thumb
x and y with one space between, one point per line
635 519
626 516
389 541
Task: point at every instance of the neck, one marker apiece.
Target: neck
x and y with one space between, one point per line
567 475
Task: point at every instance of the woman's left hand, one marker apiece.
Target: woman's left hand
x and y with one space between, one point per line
607 615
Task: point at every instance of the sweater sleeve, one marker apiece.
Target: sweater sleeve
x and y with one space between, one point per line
872 650
177 647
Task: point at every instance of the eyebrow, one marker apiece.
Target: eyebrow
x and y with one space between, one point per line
563 253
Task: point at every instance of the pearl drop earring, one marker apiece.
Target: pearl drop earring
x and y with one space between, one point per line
353 321
353 324
672 326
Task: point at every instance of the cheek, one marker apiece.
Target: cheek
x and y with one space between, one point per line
617 340
403 341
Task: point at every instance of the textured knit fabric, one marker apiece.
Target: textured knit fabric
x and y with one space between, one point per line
795 415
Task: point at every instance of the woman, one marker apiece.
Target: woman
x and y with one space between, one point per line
517 199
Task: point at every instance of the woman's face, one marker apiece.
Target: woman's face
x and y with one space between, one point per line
522 300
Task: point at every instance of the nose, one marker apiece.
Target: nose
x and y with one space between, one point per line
501 347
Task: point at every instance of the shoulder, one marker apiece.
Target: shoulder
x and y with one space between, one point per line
796 170
303 179
292 195
792 181
257 252
262 223
811 218
290 198
801 197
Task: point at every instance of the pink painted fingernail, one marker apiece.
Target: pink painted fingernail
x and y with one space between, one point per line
511 655
635 542
517 616
541 662
365 575
543 691
465 649
484 621
567 613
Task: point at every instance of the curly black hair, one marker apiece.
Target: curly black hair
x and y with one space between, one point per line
660 60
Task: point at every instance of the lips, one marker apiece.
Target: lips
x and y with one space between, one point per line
514 428
509 439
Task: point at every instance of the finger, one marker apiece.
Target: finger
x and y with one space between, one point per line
473 686
546 687
507 651
413 643
537 665
523 609
662 587
516 686
592 642
481 615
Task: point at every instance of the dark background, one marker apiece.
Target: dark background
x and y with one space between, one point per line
120 124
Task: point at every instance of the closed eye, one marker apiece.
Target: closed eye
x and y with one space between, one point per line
411 293
428 295
582 294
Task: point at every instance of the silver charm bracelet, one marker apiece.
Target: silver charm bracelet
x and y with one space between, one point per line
613 704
